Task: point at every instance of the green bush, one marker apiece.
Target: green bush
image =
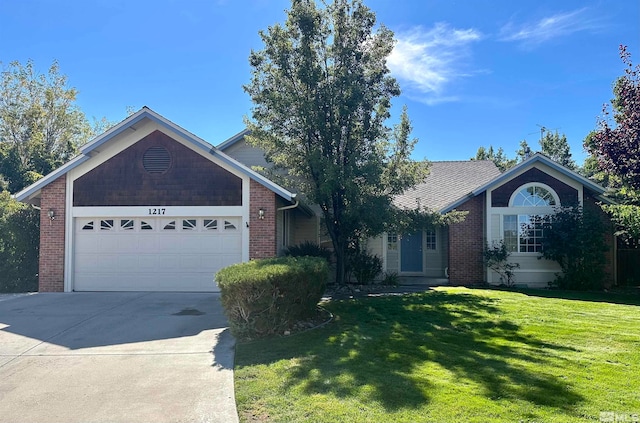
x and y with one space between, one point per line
265 297
390 279
19 243
574 237
496 258
310 249
363 266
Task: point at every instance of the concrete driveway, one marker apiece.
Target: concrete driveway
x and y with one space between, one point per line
115 357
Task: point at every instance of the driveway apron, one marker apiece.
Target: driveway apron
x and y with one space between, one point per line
115 357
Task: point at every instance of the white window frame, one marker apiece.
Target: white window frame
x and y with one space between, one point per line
550 190
524 212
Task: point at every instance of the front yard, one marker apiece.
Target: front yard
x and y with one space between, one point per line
450 355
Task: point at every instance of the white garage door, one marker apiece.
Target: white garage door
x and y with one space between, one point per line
154 254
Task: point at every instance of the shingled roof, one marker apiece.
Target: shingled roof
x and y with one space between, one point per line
448 182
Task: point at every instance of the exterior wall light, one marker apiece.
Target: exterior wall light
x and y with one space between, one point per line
261 214
51 214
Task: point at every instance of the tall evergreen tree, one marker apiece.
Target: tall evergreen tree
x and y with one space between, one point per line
322 93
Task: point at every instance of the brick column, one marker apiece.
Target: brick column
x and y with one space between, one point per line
262 232
51 265
466 244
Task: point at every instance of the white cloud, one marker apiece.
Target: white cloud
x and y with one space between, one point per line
561 24
427 61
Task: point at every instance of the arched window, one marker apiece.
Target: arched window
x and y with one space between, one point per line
523 230
534 195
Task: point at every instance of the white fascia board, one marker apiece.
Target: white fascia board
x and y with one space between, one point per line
234 139
521 168
267 183
144 113
34 188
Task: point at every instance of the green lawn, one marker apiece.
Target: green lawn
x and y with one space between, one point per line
450 355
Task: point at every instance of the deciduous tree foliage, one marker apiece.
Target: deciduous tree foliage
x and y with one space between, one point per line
40 125
322 93
40 129
616 143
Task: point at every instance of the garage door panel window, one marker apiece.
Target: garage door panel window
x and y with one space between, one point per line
88 226
189 224
210 224
169 225
127 224
106 225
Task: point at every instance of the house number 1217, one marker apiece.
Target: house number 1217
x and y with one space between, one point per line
157 211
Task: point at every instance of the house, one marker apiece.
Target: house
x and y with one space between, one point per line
498 205
148 206
501 207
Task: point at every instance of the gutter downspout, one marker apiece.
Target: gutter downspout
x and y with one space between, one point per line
293 206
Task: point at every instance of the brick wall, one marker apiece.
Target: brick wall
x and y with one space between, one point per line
51 272
262 232
466 243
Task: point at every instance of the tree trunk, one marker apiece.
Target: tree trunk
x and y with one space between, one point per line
340 264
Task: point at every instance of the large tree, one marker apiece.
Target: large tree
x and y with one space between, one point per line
556 147
40 124
615 145
322 94
498 157
40 129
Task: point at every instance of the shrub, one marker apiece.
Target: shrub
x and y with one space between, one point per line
265 297
363 266
309 249
391 279
496 258
574 237
19 244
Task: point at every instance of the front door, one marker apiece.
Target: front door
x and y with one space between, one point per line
411 253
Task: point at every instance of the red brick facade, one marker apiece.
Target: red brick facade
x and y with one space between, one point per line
466 244
51 272
262 232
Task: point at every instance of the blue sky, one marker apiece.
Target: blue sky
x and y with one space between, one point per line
473 72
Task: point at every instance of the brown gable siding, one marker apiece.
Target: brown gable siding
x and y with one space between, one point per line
191 180
466 244
501 195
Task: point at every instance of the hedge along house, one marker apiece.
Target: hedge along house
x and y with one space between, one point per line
148 206
501 208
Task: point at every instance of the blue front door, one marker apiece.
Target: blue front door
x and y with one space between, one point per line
411 253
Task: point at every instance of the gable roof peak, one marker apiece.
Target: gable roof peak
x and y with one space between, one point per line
145 112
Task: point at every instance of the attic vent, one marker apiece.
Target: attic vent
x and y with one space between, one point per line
156 160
